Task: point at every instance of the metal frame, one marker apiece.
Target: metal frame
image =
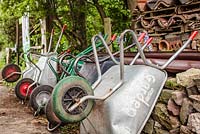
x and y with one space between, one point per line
141 53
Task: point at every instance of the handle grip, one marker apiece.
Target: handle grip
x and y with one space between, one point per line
149 41
141 37
52 31
68 51
193 35
64 27
114 37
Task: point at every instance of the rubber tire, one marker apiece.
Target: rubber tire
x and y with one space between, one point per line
14 77
59 91
17 88
50 115
34 94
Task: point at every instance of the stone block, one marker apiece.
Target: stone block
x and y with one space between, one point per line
178 97
175 131
192 90
165 95
173 108
171 83
194 122
186 78
161 115
185 130
186 109
174 121
148 129
160 131
197 83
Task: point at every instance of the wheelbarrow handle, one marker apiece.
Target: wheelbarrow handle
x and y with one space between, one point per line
143 47
126 48
113 37
149 41
60 37
51 39
110 54
193 35
32 63
141 36
93 40
84 58
110 42
64 27
66 67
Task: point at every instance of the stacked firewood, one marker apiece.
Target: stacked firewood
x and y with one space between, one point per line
178 108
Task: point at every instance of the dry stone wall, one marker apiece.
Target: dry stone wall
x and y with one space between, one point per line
178 108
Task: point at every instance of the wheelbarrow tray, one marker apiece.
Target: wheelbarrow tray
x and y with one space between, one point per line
128 109
89 70
47 77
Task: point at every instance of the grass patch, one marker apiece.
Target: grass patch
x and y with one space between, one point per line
70 129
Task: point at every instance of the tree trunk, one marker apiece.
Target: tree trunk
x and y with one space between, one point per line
48 26
78 8
100 10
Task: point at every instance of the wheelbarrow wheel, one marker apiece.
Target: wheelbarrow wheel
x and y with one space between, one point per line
22 87
40 96
53 121
8 70
67 92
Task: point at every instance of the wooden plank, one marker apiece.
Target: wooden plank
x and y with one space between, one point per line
107 30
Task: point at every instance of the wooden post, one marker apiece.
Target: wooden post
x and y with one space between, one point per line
107 30
25 34
17 41
8 55
43 32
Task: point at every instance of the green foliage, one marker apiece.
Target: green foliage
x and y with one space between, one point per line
7 30
58 12
118 12
94 23
2 59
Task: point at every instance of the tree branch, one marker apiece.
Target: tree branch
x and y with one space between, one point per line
100 10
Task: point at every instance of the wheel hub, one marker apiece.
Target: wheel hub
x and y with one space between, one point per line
9 71
24 88
73 96
42 98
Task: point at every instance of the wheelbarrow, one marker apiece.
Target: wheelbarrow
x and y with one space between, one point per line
40 72
124 96
41 94
53 121
12 72
88 71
